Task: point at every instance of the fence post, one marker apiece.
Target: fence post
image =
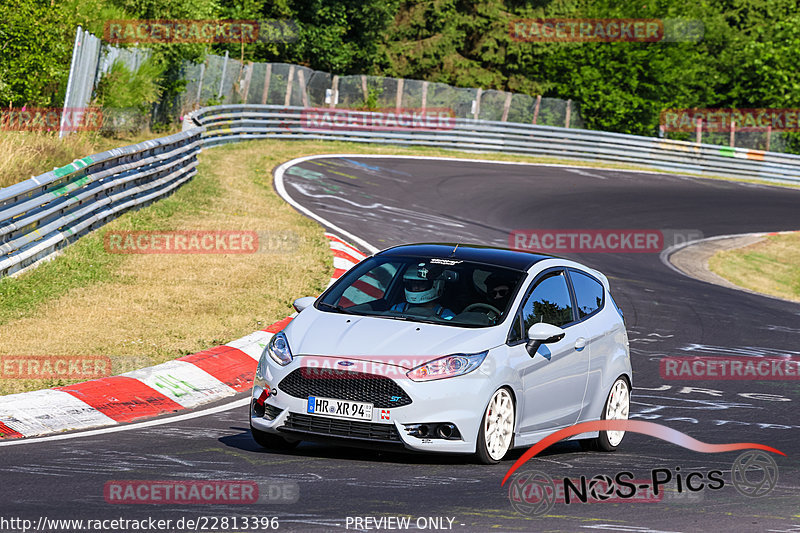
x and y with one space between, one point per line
769 134
477 110
364 88
267 77
506 107
733 131
247 78
304 95
222 78
334 91
288 98
200 83
398 99
699 130
71 80
424 96
536 109
569 113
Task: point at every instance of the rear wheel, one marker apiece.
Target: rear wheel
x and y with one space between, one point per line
272 442
617 407
496 435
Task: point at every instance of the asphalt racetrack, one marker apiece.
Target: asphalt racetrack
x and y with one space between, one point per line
389 201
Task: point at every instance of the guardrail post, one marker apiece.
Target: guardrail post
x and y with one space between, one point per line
733 131
569 113
698 136
288 98
398 99
267 77
536 109
506 107
222 78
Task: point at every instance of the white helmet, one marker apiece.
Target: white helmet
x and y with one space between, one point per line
421 286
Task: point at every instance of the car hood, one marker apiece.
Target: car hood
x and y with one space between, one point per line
401 342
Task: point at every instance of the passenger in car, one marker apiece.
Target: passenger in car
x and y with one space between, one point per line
498 291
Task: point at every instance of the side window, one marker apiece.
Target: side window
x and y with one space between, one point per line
588 293
369 287
549 302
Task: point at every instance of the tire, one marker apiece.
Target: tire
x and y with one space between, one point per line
617 407
272 442
496 435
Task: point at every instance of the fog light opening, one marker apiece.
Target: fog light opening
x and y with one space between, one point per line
446 431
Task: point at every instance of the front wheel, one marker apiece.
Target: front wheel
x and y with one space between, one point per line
272 442
617 407
496 435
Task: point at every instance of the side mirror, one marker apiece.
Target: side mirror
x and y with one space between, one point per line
542 333
302 303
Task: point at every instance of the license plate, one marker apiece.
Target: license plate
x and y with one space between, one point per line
339 408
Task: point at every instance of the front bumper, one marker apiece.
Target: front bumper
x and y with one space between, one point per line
460 400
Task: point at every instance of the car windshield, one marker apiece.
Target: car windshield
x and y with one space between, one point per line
425 289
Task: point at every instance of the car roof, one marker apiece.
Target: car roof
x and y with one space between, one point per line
492 255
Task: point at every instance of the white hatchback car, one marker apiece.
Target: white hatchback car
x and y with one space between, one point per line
447 348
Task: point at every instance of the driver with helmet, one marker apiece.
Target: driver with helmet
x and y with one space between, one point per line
422 289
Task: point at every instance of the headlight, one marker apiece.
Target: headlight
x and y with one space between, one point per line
278 349
447 367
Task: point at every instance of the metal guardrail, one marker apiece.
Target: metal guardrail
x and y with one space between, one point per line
231 123
45 213
41 215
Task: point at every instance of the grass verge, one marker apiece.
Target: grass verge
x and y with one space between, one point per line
771 266
26 154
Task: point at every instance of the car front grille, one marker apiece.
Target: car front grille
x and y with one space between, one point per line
320 425
344 385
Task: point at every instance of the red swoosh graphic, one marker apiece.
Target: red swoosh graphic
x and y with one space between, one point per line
635 426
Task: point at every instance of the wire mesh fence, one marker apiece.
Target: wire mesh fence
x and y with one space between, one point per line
224 80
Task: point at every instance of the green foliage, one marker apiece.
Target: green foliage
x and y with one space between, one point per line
746 56
35 47
123 88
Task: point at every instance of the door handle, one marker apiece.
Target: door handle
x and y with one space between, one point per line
580 344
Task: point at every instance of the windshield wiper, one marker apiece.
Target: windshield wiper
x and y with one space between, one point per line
337 308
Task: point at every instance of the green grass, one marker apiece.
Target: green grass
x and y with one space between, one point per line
771 266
